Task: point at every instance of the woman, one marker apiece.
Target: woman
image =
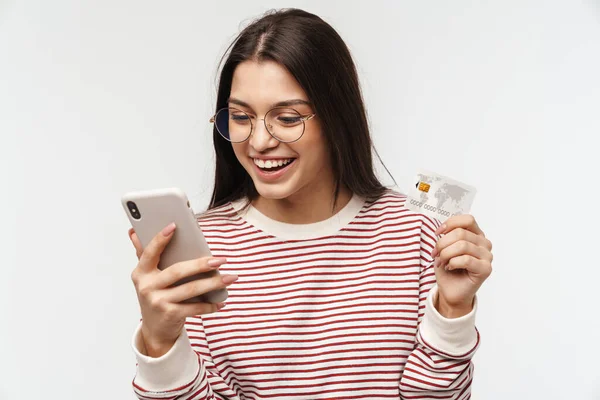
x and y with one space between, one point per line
332 280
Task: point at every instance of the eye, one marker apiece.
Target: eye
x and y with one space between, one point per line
239 118
288 119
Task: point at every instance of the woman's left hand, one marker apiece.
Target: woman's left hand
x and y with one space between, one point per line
463 261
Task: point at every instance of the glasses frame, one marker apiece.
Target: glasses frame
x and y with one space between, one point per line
303 119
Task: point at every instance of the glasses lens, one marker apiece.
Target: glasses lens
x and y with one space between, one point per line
286 124
233 124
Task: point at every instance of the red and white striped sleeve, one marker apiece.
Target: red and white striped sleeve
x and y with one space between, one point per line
440 366
185 372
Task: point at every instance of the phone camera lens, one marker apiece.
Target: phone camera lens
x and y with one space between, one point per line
133 209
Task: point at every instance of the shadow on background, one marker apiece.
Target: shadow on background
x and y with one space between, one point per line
5 6
595 7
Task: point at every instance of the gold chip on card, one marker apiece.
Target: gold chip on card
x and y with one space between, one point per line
424 187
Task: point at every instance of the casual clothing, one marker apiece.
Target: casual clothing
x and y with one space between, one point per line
339 309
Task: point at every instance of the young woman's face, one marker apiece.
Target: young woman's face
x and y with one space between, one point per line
256 89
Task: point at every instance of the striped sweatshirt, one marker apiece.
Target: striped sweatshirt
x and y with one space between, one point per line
338 309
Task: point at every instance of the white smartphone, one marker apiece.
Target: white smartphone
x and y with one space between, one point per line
150 211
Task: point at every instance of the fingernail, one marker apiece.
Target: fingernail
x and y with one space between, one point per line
441 229
436 262
227 279
168 229
220 305
216 262
434 252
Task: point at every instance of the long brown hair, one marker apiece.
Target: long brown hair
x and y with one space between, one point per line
313 52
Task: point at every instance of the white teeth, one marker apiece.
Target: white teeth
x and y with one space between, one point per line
272 163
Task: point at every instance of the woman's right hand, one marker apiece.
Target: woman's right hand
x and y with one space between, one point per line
163 313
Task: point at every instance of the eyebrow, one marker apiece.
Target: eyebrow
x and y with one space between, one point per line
285 103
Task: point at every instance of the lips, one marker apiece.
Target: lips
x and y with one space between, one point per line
272 163
273 168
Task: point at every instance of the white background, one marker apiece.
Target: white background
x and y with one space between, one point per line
101 97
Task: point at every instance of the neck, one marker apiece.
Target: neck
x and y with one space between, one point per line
304 207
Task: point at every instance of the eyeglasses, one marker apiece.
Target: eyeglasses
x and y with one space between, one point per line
284 124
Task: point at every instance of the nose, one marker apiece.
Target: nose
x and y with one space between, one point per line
261 139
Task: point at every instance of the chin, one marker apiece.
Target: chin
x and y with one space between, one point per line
273 191
276 190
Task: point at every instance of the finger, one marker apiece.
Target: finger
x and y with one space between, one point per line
463 247
198 287
151 254
192 309
185 269
136 243
466 221
471 264
457 235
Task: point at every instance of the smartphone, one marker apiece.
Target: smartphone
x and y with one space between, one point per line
150 211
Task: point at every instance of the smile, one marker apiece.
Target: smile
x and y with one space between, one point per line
272 164
273 169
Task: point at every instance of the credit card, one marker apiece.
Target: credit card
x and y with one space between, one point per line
439 197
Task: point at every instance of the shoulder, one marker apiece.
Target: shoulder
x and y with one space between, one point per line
220 215
391 205
389 199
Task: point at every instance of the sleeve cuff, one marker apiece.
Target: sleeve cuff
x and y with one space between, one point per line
173 371
454 337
